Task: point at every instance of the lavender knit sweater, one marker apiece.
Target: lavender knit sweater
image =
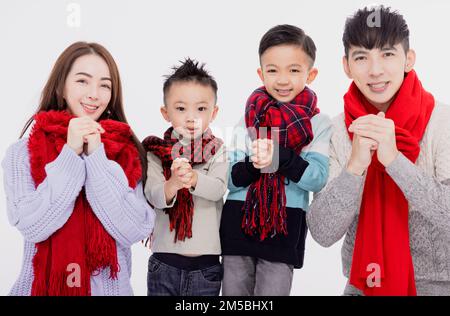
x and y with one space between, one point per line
39 212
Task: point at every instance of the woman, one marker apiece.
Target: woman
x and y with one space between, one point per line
74 186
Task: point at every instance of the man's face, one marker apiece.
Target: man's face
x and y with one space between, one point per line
378 73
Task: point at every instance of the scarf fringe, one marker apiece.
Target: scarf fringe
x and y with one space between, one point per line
265 209
102 250
58 288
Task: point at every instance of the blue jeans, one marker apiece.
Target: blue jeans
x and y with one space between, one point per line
166 280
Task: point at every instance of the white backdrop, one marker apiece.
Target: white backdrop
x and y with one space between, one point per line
146 38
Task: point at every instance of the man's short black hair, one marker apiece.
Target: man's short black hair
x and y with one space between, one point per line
375 27
189 71
288 35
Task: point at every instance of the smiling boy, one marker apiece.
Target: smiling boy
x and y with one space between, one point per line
389 185
281 155
187 178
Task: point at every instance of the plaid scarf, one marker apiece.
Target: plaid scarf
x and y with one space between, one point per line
197 151
265 205
82 240
382 236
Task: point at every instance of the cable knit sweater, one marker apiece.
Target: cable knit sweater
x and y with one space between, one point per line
426 186
39 212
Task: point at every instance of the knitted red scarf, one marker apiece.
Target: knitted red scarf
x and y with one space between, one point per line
382 236
82 240
265 205
198 151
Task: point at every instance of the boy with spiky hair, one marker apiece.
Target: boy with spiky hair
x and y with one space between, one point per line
389 185
187 179
263 228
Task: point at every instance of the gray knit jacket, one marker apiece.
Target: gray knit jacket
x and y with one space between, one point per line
425 184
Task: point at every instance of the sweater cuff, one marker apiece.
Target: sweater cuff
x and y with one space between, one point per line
204 186
254 172
402 171
68 163
243 173
350 185
97 162
291 165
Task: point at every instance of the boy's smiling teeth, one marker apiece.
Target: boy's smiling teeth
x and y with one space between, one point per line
283 91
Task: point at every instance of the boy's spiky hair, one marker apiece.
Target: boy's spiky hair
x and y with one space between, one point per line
288 35
189 71
360 29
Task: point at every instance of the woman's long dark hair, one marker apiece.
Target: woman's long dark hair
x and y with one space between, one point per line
52 95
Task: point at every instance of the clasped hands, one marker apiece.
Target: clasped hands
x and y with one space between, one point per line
84 135
183 176
372 133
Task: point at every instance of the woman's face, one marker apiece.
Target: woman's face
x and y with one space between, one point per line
88 86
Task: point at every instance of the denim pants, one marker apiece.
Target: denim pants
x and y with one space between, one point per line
249 276
166 280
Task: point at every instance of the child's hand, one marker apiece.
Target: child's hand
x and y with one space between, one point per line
186 175
193 179
181 173
262 153
179 179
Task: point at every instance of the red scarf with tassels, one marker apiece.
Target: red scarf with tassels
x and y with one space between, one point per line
197 151
82 243
265 204
382 236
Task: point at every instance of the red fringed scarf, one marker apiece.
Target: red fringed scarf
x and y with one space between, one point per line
82 240
198 151
265 205
383 233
